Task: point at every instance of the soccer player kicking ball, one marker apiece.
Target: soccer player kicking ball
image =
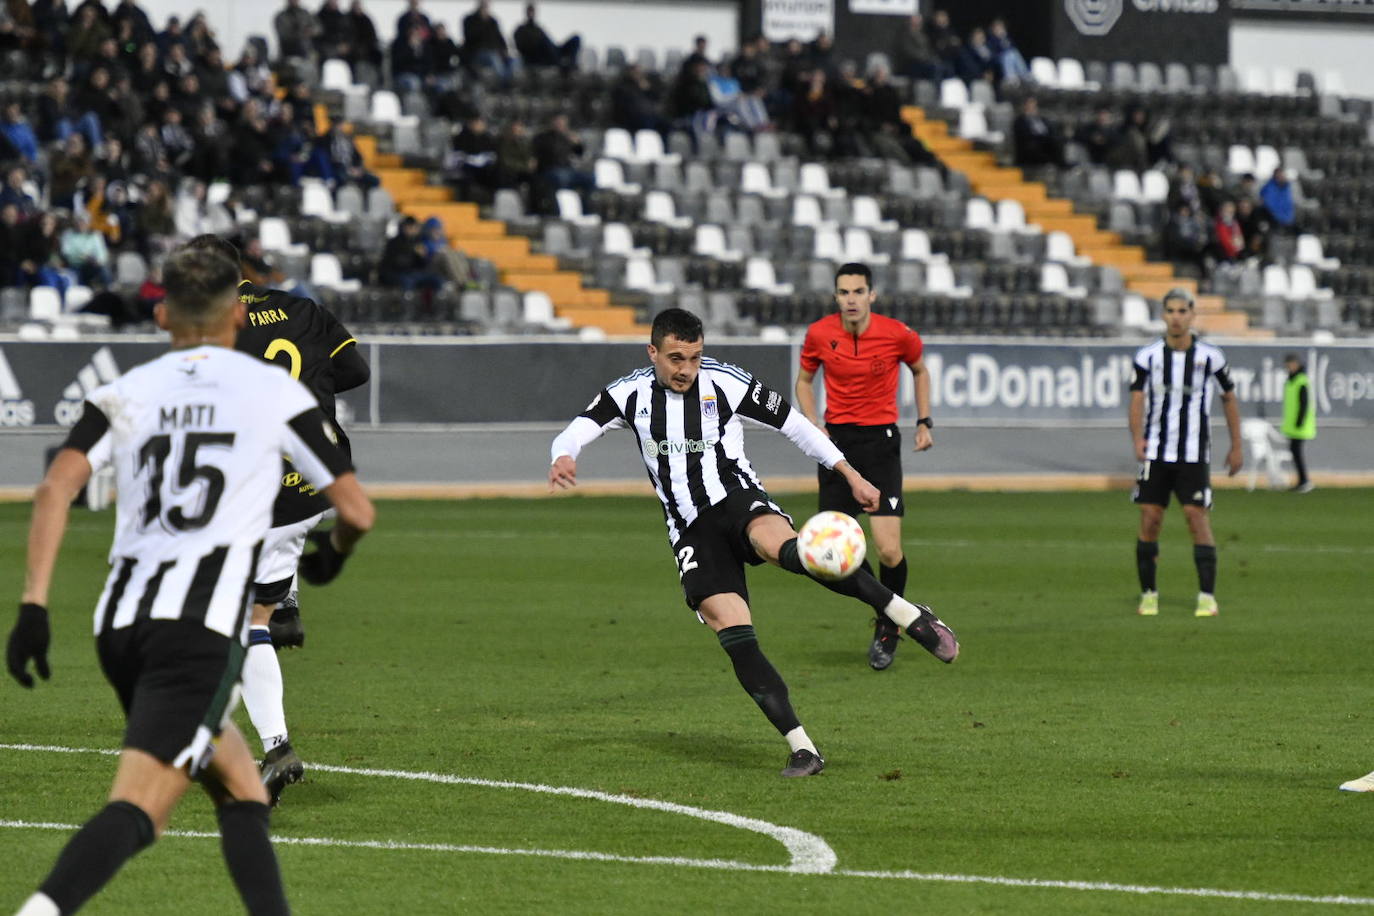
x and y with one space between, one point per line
197 438
686 413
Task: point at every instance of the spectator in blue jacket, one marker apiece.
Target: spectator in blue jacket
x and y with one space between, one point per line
1277 195
19 132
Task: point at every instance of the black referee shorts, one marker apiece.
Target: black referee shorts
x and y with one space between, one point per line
713 551
876 453
1190 481
172 677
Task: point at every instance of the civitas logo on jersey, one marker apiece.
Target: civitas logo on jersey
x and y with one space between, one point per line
98 371
15 409
654 448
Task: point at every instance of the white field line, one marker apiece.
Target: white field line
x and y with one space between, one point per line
716 864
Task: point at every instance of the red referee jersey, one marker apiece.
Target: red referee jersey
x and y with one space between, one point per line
861 370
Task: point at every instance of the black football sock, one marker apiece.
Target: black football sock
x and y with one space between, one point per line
758 677
860 585
894 577
248 853
97 851
1205 559
1146 562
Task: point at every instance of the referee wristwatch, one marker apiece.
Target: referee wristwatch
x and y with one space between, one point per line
927 422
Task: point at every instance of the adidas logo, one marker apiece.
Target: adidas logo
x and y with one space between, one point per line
15 409
100 370
643 412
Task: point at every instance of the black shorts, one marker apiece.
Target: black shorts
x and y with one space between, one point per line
713 551
1191 482
177 682
876 453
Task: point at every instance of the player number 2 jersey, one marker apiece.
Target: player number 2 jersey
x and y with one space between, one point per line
196 438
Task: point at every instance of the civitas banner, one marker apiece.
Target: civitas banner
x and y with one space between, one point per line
1198 31
784 20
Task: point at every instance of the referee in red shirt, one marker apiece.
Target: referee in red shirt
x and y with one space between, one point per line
862 354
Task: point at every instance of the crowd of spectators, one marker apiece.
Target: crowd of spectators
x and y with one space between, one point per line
933 50
1215 228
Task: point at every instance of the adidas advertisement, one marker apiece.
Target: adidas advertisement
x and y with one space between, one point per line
44 384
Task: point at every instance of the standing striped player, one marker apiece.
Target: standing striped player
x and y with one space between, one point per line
1171 398
196 438
686 414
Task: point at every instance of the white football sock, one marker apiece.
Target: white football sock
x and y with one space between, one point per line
262 691
901 612
798 740
39 905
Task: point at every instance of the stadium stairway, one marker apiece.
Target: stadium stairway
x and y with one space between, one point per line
1104 248
520 267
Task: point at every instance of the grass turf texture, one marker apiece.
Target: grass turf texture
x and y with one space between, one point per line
546 641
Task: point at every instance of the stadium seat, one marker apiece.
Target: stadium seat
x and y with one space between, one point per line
1154 187
325 270
710 243
806 211
1071 75
973 125
45 303
858 247
130 268
386 107
916 246
639 275
816 180
570 209
1176 77
1275 281
1256 79
867 215
617 144
978 214
940 281
828 245
1126 185
316 201
350 201
1283 81
1011 217
336 75
660 208
1266 161
754 179
1148 77
611 175
1059 248
1044 72
953 93
1135 314
649 148
617 240
77 297
1310 252
1302 284
274 235
759 274
1055 279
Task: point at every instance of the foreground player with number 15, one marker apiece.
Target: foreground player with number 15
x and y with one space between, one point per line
196 438
685 412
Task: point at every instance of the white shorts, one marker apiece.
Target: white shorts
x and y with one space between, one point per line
282 549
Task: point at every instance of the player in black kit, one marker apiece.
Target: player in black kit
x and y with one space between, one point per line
311 344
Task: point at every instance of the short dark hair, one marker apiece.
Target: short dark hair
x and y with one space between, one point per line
1178 292
678 323
855 269
196 281
214 243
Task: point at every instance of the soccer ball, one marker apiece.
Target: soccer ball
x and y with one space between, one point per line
832 545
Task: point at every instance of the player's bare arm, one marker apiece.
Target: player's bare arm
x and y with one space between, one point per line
1235 458
563 473
806 398
865 494
1136 420
924 439
51 505
355 510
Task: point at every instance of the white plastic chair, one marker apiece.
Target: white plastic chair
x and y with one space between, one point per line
759 274
1302 284
754 179
1044 72
1059 247
77 297
336 75
940 280
1240 160
610 174
1011 217
1055 279
973 123
386 107
659 208
617 144
1135 313
616 239
953 93
325 270
710 243
858 246
537 309
274 235
828 245
649 148
1126 185
814 179
866 214
1154 187
1266 161
570 209
806 211
1275 281
1310 252
45 303
978 214
639 274
315 201
916 247
1263 442
1071 74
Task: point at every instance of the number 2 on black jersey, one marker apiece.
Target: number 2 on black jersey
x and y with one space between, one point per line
156 451
282 345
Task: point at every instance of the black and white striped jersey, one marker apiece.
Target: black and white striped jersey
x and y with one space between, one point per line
196 438
1178 398
692 444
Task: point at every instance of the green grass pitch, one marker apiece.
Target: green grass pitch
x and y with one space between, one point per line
546 641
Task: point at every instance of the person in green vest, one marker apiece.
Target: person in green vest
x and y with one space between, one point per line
1299 417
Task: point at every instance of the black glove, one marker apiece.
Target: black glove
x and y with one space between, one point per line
325 563
29 640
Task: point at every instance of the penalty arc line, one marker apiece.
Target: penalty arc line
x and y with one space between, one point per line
715 864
